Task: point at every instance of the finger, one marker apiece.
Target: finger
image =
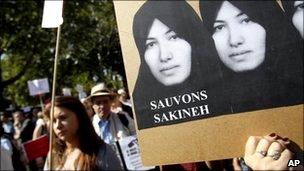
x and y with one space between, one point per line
262 148
286 155
236 164
275 150
284 142
271 137
251 145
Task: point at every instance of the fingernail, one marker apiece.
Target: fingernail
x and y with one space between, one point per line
285 139
272 134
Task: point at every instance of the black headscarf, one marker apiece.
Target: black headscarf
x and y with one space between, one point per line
289 10
288 7
280 74
182 19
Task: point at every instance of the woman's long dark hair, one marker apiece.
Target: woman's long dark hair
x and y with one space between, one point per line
89 141
182 19
282 70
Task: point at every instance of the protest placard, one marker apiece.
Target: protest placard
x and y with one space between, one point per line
131 153
37 148
192 99
38 86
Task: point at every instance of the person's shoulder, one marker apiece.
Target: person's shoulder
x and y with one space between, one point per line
122 117
40 122
4 140
27 121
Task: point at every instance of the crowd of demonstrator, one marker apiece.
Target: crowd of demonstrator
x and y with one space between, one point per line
23 125
86 132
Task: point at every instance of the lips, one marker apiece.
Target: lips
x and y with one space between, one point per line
61 133
168 70
239 54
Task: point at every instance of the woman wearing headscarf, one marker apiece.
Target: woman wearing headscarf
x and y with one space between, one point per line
261 65
294 11
171 41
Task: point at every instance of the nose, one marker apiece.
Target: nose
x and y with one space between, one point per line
165 53
235 37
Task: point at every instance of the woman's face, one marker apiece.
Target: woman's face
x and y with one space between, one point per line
240 42
167 55
65 124
298 16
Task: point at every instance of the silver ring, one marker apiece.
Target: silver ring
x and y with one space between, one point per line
276 155
263 153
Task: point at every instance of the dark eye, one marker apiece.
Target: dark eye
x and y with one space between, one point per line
300 6
54 120
245 20
218 28
173 37
62 117
150 45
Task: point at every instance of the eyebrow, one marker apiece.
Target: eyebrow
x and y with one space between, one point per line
222 21
169 30
152 38
240 14
298 3
219 21
61 114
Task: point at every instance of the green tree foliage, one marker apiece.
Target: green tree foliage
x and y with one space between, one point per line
89 47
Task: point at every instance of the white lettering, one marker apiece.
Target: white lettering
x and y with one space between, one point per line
293 163
188 100
195 111
156 118
172 116
153 105
203 94
204 109
160 104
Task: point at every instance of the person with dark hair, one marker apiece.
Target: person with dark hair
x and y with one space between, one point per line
23 126
77 146
176 57
89 107
261 63
7 125
295 13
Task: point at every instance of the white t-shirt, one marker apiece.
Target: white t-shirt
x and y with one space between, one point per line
40 122
6 155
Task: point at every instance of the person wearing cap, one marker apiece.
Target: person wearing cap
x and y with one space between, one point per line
110 126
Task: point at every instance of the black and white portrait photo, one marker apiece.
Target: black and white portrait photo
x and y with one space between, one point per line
262 60
238 56
177 65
